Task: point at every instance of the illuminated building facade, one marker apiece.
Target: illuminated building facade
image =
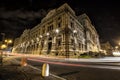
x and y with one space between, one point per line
60 33
107 48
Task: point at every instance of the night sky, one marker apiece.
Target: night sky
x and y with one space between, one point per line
17 15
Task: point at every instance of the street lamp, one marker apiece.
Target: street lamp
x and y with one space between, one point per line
3 46
8 41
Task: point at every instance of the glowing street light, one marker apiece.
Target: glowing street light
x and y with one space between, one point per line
8 41
3 46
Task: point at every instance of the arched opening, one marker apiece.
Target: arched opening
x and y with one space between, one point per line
49 45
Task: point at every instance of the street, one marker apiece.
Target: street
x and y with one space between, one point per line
107 68
80 70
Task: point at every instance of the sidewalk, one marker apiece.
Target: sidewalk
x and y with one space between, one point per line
12 70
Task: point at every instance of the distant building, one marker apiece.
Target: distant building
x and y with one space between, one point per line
60 33
0 44
107 48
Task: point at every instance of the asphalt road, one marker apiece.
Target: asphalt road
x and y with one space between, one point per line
72 70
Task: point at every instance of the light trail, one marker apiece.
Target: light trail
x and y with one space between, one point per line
78 65
106 59
58 63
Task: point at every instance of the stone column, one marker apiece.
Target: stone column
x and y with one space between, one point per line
53 49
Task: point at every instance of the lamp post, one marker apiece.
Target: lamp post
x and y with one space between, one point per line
8 41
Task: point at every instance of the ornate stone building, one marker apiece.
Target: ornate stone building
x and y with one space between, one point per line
107 48
60 33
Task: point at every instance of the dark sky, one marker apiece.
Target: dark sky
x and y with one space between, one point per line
17 15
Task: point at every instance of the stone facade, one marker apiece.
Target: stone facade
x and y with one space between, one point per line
107 48
60 33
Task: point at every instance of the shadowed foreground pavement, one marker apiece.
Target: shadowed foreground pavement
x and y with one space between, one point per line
13 71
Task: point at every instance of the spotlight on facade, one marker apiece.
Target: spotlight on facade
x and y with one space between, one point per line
41 36
57 31
116 47
74 31
48 34
119 43
37 39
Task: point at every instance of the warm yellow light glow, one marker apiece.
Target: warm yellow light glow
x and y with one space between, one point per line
116 47
3 46
8 41
119 43
41 36
48 34
116 53
74 31
5 40
57 31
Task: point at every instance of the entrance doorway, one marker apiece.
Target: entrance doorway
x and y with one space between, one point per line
49 45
